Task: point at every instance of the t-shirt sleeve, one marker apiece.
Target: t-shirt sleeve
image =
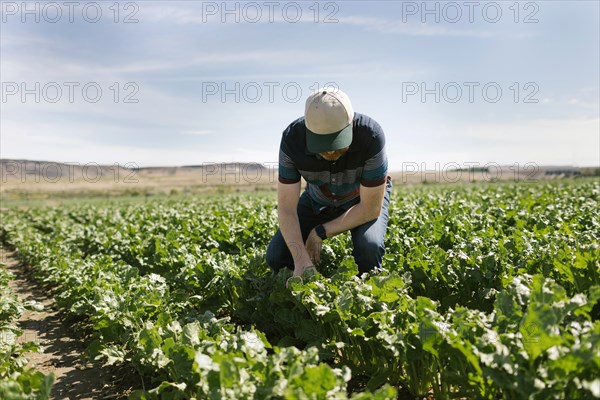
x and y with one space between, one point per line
288 173
376 165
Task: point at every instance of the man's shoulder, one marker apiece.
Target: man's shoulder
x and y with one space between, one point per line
295 126
295 130
366 125
293 140
367 134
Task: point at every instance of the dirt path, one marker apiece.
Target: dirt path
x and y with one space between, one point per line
63 349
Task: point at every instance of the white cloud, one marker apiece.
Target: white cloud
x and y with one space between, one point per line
544 141
588 105
412 29
196 133
53 64
58 148
239 14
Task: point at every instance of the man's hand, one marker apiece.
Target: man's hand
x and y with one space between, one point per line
313 247
299 272
301 268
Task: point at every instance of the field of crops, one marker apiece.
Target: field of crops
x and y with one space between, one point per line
487 292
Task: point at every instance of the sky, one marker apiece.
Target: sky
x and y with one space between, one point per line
167 83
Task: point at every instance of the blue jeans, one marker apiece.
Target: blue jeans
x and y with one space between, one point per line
367 239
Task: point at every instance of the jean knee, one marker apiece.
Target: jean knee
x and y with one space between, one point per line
278 255
368 252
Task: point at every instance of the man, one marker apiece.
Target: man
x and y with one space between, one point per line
341 156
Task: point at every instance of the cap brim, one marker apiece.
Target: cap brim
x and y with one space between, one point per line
333 141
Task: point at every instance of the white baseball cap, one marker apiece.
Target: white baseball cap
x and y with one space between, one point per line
328 117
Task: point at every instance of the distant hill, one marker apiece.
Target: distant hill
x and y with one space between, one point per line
19 168
32 179
46 171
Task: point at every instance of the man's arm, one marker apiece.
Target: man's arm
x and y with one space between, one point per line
368 209
287 203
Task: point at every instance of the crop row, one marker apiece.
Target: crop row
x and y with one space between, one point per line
17 382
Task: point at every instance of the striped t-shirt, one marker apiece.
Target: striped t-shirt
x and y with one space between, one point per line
335 183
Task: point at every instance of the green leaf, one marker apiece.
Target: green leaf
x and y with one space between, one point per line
315 382
191 333
113 355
